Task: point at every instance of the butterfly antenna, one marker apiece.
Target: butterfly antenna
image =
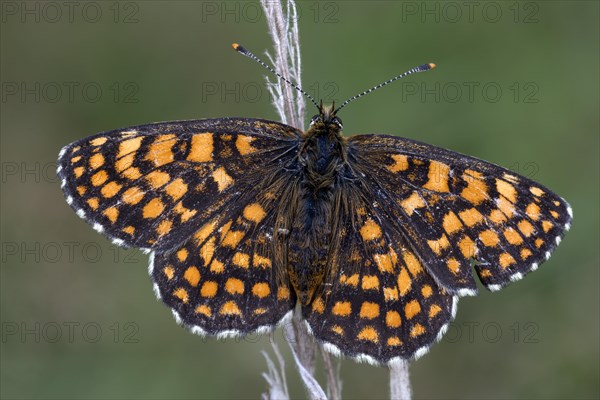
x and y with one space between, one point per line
242 50
420 68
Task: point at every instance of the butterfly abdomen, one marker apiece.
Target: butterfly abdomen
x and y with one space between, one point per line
322 156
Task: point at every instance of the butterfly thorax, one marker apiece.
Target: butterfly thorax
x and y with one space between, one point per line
322 157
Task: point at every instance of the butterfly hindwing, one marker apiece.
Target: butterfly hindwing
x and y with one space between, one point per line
225 280
151 186
460 212
381 304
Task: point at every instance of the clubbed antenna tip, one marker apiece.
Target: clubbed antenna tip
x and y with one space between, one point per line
238 47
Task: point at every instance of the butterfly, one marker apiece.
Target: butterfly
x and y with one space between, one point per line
373 237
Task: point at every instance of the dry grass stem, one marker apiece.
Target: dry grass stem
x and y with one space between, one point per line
400 381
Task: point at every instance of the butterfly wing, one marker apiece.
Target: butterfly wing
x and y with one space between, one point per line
416 219
226 280
203 196
380 304
152 186
459 211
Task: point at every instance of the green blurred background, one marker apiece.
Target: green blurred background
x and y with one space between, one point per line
516 84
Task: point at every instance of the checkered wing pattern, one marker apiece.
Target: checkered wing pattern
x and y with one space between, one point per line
404 226
226 281
380 303
457 212
202 196
152 186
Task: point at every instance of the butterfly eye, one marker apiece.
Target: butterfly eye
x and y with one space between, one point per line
338 122
315 119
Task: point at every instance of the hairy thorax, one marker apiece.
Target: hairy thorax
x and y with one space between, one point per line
322 158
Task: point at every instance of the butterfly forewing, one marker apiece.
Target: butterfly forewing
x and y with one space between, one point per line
152 186
458 211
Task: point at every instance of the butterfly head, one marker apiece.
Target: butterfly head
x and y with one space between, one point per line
326 119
